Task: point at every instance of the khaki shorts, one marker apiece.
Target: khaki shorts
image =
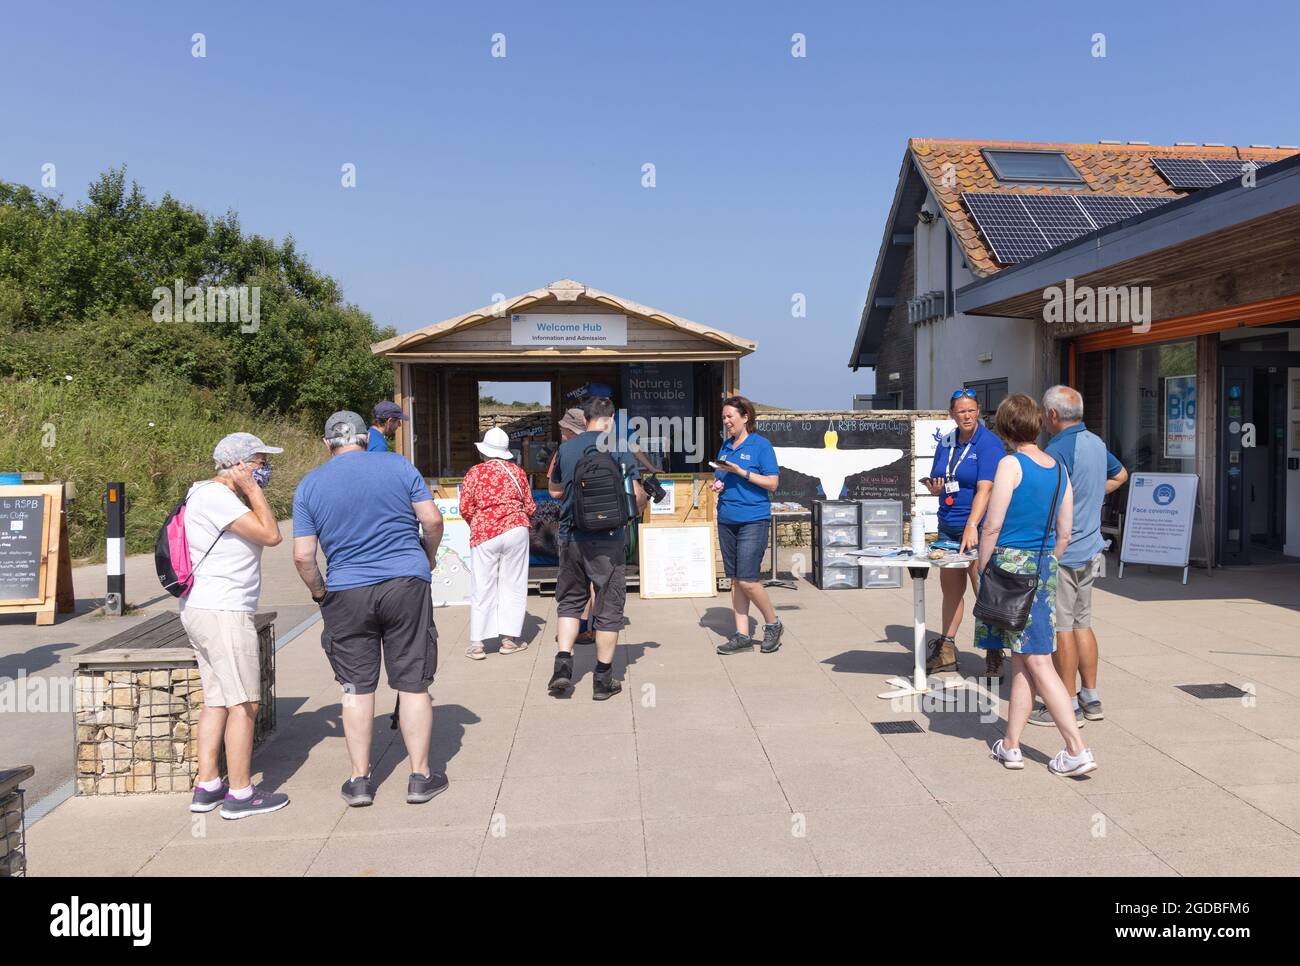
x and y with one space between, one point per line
225 642
1074 597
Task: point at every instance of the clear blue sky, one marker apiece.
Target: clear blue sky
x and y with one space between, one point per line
479 175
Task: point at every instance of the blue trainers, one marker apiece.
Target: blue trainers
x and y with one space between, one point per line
257 803
359 792
205 801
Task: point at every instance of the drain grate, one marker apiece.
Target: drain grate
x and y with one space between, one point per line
897 727
1204 691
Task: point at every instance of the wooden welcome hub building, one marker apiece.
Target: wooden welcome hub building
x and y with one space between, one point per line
569 335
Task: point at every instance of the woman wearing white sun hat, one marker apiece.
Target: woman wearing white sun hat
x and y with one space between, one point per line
497 501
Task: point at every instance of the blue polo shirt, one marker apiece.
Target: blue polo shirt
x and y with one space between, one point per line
378 442
1090 465
976 461
740 500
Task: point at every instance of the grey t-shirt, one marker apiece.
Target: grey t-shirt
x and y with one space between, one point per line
566 462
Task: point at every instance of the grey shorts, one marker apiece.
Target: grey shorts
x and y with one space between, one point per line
588 563
393 617
1074 597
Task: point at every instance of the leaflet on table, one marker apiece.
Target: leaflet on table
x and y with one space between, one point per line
882 552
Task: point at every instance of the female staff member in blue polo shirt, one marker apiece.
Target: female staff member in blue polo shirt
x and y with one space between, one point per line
962 478
746 477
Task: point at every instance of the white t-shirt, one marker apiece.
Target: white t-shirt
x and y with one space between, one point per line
231 576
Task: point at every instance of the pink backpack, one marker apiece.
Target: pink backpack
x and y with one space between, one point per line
171 554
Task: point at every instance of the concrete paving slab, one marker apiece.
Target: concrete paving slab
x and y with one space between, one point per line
1191 820
919 839
453 853
733 845
594 848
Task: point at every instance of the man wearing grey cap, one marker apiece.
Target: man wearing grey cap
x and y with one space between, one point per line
373 517
227 523
388 417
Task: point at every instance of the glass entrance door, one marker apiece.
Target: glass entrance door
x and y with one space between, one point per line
1252 454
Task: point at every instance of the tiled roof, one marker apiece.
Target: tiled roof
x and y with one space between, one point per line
1106 169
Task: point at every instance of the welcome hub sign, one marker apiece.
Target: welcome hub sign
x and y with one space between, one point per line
555 329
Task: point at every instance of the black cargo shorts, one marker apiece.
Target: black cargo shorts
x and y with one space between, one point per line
394 617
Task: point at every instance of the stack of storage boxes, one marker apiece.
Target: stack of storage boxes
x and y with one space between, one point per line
840 526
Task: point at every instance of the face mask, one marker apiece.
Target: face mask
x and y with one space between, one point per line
262 476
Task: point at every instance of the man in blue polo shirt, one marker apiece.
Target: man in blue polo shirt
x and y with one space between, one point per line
1094 472
961 476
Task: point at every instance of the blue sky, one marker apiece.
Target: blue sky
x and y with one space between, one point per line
478 175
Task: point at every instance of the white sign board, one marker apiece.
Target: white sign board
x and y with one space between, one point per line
567 330
1158 521
450 582
677 561
666 507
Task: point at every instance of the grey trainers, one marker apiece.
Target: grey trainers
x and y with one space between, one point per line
421 788
257 803
772 636
358 792
736 643
1091 710
1041 716
204 801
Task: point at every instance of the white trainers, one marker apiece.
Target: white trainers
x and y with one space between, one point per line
1010 757
1068 766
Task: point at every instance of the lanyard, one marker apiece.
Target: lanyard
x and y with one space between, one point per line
953 453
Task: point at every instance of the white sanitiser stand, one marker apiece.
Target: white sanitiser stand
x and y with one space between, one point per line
900 687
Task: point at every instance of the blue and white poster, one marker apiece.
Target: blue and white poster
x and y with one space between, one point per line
1180 417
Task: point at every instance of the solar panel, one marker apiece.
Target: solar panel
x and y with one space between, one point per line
1201 172
1106 211
1018 227
1147 203
1058 217
1007 227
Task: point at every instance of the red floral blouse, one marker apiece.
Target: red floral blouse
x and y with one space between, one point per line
492 503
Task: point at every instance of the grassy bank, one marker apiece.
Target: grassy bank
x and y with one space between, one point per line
155 436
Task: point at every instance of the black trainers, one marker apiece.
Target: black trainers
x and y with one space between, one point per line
421 788
562 679
257 803
358 792
772 636
604 685
736 643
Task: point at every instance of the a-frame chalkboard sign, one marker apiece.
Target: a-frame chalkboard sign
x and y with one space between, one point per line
35 569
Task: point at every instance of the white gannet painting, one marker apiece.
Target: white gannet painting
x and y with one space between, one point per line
831 465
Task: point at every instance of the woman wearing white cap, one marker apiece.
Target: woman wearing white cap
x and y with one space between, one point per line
497 501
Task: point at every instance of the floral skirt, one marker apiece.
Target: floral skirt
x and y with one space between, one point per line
1039 634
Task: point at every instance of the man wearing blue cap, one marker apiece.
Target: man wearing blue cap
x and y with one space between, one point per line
388 417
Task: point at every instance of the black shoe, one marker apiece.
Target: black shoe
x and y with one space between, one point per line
562 679
772 636
421 788
736 643
604 685
359 791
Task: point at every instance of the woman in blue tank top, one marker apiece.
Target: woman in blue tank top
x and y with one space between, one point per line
1027 527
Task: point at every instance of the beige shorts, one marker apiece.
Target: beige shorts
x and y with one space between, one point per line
225 642
1074 597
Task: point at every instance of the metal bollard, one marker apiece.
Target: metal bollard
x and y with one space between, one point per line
115 551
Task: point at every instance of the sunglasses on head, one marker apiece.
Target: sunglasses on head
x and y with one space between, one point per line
965 392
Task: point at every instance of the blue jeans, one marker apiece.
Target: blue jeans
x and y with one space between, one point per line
742 546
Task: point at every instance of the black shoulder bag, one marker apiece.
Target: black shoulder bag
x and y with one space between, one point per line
1004 598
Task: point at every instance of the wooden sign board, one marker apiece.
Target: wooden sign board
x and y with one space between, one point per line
35 568
677 560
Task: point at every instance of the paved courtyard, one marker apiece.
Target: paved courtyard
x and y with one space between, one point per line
769 764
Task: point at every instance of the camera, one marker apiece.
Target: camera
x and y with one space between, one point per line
653 488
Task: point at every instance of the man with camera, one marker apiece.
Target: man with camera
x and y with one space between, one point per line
590 479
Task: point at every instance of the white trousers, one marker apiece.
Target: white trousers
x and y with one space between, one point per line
498 576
